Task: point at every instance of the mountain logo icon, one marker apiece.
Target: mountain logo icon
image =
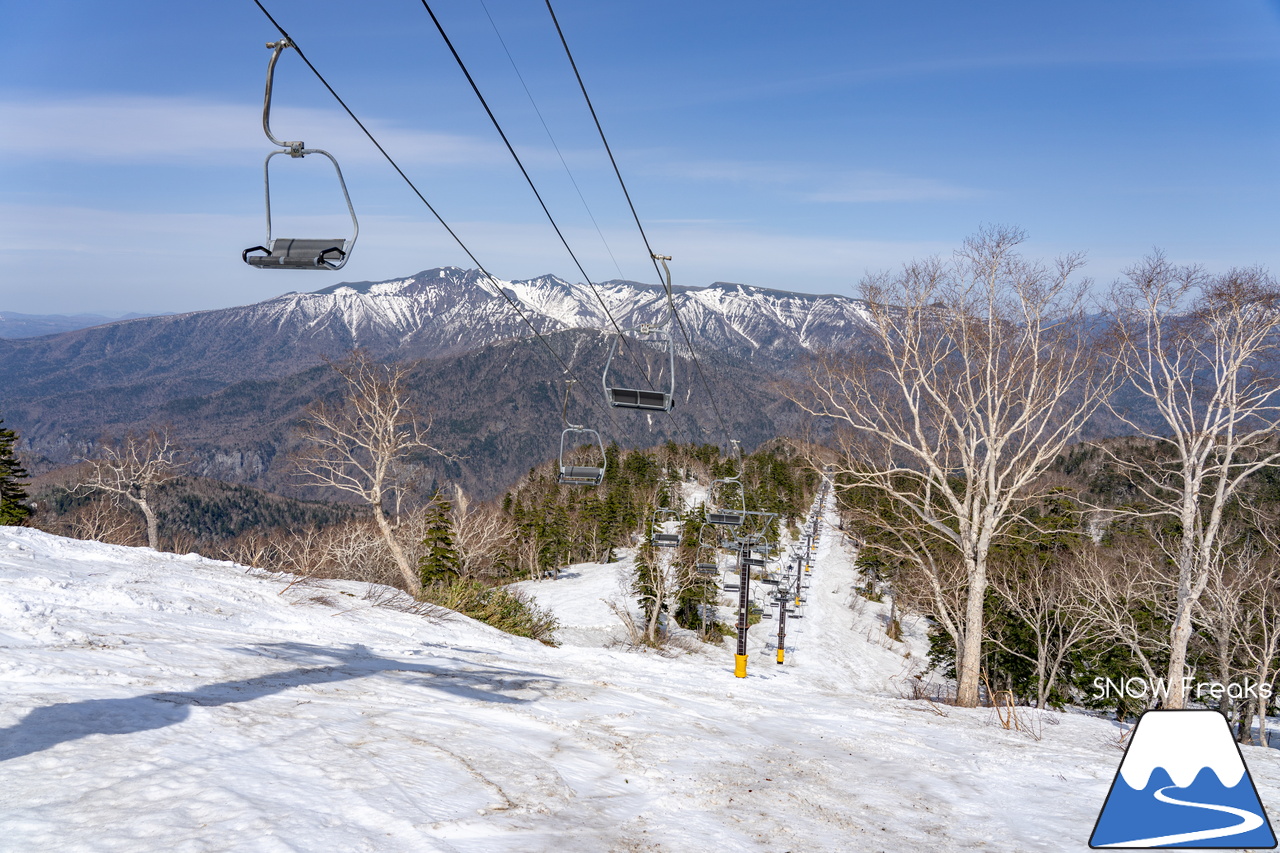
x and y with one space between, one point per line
1182 783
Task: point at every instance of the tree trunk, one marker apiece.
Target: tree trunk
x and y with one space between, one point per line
1179 637
651 630
153 527
969 658
412 580
1263 702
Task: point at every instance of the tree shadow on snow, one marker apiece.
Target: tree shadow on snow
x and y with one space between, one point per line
51 725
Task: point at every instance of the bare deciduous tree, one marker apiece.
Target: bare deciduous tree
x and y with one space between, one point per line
104 520
130 469
480 534
1041 594
980 372
1116 591
1197 348
1260 632
362 443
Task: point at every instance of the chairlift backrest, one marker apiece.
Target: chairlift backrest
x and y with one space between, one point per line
325 253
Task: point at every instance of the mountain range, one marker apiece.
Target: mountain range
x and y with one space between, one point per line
15 325
232 383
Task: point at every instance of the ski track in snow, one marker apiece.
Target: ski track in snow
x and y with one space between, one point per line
156 702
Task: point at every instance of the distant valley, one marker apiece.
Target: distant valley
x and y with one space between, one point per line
232 383
15 325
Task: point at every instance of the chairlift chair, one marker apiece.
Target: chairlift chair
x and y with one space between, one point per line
719 512
652 399
297 253
705 562
578 475
662 539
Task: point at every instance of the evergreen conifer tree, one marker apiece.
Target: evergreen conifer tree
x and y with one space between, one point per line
13 497
440 560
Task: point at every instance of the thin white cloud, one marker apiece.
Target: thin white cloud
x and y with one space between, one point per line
819 183
870 187
106 260
136 129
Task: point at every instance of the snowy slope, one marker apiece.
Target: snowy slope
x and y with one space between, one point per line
159 702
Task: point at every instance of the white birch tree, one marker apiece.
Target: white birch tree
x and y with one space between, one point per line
1199 349
362 444
980 371
130 469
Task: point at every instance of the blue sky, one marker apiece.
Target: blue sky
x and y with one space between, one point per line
788 145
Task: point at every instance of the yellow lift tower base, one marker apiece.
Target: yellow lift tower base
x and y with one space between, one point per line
740 666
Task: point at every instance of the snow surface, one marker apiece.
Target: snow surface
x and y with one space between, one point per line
155 702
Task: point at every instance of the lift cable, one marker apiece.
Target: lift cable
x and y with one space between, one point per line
510 148
484 272
552 139
670 298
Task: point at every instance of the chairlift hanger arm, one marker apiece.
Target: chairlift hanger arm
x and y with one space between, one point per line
294 149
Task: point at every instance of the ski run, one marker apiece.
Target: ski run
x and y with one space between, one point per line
158 702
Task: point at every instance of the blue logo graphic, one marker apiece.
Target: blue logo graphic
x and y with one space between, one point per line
1182 783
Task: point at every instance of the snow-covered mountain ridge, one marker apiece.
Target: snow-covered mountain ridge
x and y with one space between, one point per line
458 308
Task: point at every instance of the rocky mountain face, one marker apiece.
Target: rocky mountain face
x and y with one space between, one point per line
437 312
233 382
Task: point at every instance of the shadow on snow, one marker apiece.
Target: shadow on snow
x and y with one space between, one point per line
43 728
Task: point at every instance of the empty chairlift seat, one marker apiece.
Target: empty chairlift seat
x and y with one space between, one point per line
661 538
726 517
572 437
636 341
636 398
581 475
297 253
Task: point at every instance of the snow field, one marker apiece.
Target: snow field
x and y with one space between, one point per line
156 702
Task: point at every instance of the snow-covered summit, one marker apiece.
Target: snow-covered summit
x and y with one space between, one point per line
442 303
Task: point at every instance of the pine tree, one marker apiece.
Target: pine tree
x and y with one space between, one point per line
13 497
440 560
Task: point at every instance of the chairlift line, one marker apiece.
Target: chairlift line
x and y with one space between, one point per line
486 275
641 400
693 355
